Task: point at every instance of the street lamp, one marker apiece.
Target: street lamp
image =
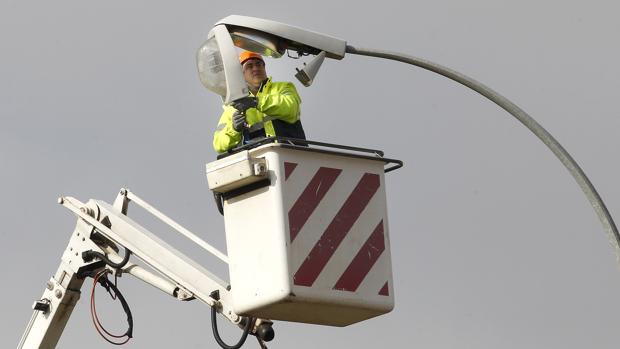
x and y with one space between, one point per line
220 72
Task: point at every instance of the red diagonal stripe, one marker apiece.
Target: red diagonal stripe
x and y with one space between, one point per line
355 273
385 291
308 200
337 230
288 169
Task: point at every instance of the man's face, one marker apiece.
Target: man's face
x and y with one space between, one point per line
254 72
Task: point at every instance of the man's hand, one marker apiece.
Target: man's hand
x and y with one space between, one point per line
245 103
238 121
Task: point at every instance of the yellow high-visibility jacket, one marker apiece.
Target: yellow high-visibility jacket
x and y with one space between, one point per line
278 109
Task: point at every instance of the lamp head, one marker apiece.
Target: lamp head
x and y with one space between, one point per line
218 64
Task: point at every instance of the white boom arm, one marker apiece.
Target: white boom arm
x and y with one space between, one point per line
102 227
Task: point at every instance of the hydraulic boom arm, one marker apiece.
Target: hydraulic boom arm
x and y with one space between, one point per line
101 229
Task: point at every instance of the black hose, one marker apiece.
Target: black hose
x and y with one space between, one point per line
107 284
89 255
218 202
216 334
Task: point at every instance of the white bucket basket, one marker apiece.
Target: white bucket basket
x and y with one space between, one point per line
307 233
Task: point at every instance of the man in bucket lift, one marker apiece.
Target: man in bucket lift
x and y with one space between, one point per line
271 109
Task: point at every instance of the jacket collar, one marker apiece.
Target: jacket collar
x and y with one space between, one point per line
265 82
262 86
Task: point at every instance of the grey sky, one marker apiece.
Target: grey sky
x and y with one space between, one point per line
493 243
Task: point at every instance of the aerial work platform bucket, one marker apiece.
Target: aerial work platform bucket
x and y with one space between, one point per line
306 232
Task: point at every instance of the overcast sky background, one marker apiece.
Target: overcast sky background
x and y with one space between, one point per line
493 243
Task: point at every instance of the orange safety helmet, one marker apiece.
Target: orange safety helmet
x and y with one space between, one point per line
245 55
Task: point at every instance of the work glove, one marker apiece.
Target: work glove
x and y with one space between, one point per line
245 103
238 121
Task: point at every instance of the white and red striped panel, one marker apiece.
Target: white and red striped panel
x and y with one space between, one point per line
337 229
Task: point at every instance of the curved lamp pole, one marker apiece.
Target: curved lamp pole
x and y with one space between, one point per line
220 72
571 165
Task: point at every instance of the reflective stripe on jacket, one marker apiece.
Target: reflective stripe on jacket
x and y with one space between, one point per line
276 101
